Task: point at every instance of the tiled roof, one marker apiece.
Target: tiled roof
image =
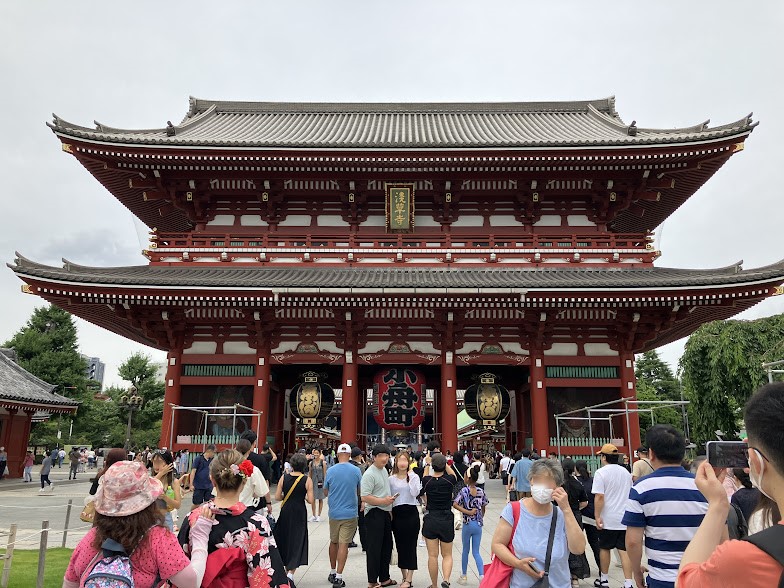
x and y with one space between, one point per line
324 278
402 125
17 385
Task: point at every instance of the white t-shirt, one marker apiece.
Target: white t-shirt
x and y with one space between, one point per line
505 463
614 482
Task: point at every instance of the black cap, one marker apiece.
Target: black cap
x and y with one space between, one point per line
380 448
356 452
642 449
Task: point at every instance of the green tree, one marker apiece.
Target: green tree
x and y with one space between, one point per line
656 382
47 346
722 366
139 370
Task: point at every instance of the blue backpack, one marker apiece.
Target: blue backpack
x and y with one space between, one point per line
110 568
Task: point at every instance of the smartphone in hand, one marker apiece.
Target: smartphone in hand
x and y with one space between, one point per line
728 454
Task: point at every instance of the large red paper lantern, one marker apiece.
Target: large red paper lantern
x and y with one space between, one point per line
399 398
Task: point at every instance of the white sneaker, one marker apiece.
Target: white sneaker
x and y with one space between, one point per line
462 580
41 491
312 519
421 543
51 487
318 519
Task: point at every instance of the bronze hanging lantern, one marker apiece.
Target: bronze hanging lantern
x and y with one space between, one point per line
487 401
312 400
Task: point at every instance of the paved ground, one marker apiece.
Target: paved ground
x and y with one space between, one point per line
22 504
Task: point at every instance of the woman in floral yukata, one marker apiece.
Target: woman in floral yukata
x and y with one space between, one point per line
241 551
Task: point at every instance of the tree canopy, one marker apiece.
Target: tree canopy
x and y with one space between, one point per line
722 366
656 382
47 346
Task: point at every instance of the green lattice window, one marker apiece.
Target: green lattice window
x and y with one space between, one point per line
217 371
603 372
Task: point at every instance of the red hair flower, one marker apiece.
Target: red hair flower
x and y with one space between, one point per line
246 467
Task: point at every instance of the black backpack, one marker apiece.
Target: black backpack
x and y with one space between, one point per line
737 526
771 541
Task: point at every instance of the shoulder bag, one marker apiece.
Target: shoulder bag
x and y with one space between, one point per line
544 581
288 494
497 573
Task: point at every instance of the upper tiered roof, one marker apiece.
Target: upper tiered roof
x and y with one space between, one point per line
311 125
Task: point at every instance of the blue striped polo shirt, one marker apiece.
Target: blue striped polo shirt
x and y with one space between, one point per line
670 508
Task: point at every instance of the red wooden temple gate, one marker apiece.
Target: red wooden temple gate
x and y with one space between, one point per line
514 238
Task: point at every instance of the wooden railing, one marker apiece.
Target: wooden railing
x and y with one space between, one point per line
224 241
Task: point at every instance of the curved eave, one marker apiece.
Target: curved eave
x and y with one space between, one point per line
92 293
648 138
22 404
113 166
244 280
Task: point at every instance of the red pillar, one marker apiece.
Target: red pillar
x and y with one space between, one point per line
540 419
172 395
349 402
361 439
277 414
510 437
261 395
520 418
448 404
629 390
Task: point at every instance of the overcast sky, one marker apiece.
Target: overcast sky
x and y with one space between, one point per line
134 65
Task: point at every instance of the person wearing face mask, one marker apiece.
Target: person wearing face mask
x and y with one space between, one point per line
756 561
529 535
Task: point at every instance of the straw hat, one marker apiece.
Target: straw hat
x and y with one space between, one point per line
126 489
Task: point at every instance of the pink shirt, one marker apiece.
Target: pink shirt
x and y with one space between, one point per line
158 553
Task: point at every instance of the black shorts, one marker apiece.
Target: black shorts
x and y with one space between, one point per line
439 524
201 496
611 539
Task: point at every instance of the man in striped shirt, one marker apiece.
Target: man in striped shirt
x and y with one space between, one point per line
665 507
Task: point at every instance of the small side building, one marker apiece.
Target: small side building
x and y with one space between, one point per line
23 398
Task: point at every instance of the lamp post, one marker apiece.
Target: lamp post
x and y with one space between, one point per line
131 402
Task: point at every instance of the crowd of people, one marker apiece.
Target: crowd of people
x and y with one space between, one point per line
667 524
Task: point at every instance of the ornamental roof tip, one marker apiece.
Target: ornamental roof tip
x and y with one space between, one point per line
365 125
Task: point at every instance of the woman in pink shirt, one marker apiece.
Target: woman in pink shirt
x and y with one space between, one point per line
27 464
125 512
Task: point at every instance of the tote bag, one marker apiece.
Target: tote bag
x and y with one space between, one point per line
497 573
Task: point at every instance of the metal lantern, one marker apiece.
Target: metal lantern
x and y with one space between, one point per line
312 400
487 401
399 398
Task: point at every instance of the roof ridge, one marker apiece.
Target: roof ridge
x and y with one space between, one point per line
198 105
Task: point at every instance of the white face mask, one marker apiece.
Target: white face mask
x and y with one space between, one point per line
542 494
757 482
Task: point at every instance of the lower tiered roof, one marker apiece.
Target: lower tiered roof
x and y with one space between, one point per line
329 278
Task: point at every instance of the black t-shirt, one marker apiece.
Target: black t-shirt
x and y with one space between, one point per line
438 491
576 493
261 461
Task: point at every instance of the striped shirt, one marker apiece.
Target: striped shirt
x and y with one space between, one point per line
669 507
